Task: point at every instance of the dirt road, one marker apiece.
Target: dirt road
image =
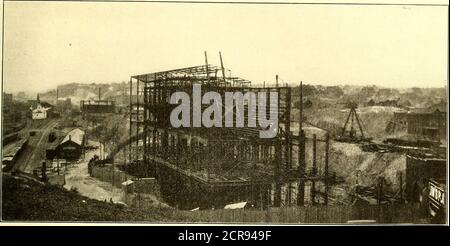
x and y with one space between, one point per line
77 176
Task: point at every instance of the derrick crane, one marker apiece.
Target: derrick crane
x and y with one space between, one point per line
354 122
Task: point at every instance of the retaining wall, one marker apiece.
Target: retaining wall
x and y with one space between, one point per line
136 192
106 174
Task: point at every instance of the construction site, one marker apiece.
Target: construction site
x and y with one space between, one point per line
316 161
183 112
211 167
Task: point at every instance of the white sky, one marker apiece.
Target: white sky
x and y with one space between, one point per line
46 44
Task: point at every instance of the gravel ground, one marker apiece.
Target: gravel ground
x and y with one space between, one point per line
77 176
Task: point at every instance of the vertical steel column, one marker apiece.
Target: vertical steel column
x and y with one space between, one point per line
301 154
277 176
131 115
153 119
301 169
137 118
327 153
145 122
314 170
165 143
154 142
288 148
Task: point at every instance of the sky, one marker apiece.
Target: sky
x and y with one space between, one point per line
46 44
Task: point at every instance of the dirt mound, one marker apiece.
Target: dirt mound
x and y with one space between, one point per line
350 162
374 120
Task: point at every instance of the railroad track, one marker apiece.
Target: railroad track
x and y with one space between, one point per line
36 149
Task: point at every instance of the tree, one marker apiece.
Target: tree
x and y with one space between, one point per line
368 91
333 91
308 90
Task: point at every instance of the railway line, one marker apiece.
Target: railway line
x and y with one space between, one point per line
35 151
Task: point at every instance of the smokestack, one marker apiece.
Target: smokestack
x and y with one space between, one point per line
99 93
276 78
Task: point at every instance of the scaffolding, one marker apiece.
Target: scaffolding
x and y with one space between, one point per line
226 164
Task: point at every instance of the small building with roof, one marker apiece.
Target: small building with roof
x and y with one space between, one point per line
40 110
71 147
432 125
420 168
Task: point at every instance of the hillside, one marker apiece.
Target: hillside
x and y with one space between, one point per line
78 91
25 199
414 97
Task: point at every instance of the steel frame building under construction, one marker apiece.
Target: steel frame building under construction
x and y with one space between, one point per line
210 167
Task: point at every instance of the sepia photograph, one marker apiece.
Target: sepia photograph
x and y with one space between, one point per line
243 113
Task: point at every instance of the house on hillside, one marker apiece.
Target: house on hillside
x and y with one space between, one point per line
431 125
388 103
441 106
370 103
405 103
40 110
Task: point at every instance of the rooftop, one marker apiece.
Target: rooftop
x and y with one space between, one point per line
76 136
205 74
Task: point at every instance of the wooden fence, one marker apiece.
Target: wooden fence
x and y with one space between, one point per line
400 213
